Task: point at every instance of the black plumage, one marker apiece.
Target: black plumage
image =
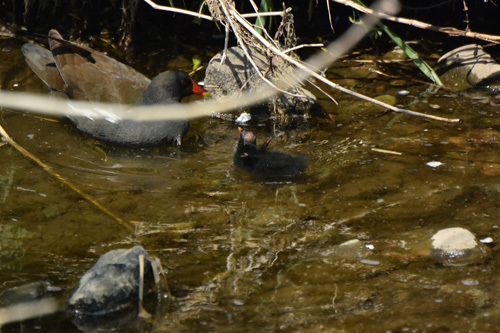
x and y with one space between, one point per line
260 161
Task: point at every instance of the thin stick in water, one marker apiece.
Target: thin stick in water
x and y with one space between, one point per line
54 174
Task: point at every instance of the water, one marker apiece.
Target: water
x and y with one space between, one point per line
245 254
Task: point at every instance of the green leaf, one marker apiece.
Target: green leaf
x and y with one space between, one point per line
260 22
196 61
412 54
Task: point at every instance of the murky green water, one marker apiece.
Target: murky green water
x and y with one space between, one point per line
246 255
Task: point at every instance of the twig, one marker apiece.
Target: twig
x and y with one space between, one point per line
302 46
324 92
330 15
226 43
179 10
419 24
142 312
385 151
466 10
49 170
203 16
250 15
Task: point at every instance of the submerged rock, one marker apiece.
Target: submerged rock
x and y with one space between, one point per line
352 249
27 292
237 75
457 246
112 284
466 67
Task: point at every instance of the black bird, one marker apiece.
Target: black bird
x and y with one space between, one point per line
259 161
82 73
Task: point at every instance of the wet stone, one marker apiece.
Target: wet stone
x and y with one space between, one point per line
466 67
398 83
23 293
396 54
353 72
457 246
352 249
112 284
387 99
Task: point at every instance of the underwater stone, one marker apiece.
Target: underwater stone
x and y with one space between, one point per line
27 292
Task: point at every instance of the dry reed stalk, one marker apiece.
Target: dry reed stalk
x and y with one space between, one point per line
422 25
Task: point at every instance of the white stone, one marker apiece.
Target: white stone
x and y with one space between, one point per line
434 164
243 118
453 239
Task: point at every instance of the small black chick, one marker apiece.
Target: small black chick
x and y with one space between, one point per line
259 161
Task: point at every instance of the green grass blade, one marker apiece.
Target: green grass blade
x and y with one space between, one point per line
412 54
260 22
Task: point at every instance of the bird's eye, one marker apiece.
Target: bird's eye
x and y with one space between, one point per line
184 82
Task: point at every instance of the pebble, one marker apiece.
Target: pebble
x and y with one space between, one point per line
243 118
434 164
457 246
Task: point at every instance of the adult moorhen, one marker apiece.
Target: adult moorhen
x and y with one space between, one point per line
259 161
80 72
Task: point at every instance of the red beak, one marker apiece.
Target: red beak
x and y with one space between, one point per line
199 90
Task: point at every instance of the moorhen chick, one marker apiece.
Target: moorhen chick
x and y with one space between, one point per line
82 73
259 161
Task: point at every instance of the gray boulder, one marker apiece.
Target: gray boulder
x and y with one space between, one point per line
112 284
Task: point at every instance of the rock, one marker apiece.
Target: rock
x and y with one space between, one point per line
387 99
112 284
236 75
396 54
466 67
27 292
457 246
352 249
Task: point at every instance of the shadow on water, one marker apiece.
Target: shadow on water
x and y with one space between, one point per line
245 253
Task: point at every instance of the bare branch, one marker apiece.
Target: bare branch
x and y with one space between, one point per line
203 16
419 24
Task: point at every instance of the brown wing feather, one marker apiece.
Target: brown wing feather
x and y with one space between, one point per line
42 63
91 75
